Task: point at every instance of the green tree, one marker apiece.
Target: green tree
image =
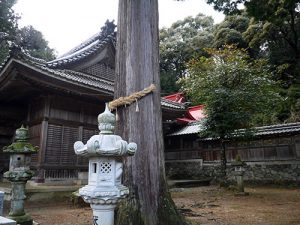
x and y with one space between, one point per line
227 6
237 93
274 33
8 26
178 44
33 41
231 30
27 37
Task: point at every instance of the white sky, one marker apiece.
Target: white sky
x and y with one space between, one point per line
67 23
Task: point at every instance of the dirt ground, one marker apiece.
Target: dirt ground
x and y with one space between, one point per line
264 205
202 205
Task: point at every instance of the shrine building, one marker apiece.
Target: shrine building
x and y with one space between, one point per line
60 101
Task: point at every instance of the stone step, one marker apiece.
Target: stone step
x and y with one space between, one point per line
5 221
189 183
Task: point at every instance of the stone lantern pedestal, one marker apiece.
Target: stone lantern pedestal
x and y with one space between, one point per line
105 152
239 170
19 173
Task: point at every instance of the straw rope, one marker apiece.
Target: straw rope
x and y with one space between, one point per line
131 98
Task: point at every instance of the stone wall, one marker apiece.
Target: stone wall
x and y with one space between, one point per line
276 172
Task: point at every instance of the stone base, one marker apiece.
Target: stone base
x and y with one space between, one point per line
241 194
22 220
5 221
103 214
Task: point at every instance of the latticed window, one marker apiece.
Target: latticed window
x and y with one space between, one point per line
105 167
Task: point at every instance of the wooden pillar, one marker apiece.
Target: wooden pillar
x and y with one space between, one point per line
40 178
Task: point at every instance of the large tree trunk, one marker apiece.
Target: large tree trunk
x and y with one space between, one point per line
137 66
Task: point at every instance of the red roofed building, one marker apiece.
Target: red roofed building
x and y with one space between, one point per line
193 114
177 97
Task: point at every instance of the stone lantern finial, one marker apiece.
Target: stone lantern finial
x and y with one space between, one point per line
106 121
22 134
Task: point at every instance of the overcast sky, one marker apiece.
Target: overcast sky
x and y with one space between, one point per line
67 23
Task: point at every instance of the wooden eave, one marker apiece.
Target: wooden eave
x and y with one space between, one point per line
39 78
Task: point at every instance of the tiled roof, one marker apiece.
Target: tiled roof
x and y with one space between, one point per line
278 129
171 104
74 77
57 68
191 128
87 48
195 128
52 69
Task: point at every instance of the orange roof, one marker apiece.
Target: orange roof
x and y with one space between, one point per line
177 97
194 113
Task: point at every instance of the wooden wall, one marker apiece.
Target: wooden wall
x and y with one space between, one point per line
268 148
56 123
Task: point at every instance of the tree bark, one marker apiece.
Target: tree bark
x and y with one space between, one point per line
223 163
137 66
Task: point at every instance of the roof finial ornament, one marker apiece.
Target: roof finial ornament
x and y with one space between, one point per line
14 48
108 28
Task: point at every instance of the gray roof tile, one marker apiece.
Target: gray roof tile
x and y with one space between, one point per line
195 128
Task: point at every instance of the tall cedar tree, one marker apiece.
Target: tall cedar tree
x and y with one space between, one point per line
137 66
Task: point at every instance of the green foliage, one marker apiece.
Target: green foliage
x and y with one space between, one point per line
227 6
27 37
8 26
230 31
179 43
8 19
273 33
236 90
33 41
228 36
168 83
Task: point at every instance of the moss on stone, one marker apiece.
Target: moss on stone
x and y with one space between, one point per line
24 219
20 147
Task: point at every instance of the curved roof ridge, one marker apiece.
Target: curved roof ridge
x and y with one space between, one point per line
88 47
81 45
16 51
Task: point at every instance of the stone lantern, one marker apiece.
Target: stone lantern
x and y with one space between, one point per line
239 170
105 152
19 173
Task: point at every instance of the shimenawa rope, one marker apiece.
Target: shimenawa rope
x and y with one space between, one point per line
128 100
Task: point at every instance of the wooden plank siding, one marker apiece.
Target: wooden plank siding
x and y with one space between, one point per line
262 149
56 123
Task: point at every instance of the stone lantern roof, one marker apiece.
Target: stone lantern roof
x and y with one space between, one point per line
21 144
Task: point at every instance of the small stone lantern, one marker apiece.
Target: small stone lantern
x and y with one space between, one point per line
105 152
19 173
239 170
